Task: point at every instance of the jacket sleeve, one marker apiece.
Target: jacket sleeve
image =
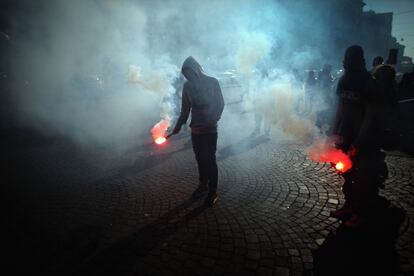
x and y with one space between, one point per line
185 108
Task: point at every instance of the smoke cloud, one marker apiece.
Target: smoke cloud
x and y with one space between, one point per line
106 71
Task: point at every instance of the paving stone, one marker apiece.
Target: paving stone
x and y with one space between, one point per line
281 271
270 217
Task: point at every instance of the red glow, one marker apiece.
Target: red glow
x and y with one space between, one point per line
160 140
340 166
158 131
323 151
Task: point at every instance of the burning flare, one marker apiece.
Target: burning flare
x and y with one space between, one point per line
340 166
160 140
323 151
158 131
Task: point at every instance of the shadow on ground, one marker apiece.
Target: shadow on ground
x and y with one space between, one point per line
152 159
369 250
242 146
121 257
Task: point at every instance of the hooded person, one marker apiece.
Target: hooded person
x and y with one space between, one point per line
356 125
203 98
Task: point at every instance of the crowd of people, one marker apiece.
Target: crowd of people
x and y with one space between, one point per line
362 101
364 105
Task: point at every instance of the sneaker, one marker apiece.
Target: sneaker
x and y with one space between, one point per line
354 222
201 189
211 199
342 213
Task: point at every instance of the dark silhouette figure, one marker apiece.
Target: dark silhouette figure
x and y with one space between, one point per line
202 96
406 86
325 77
405 117
384 75
368 250
356 124
378 60
325 95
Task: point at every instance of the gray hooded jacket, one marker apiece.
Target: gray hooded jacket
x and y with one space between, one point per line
202 96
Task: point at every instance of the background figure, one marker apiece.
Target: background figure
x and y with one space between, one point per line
325 80
202 96
406 86
259 103
260 120
326 97
378 60
406 112
356 124
385 77
310 91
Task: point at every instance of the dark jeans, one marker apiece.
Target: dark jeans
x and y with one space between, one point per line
204 146
363 180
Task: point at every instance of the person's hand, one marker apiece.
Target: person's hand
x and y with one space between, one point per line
176 130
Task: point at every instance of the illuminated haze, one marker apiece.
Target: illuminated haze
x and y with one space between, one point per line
103 71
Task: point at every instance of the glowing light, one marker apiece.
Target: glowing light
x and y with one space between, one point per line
323 151
160 140
158 131
340 166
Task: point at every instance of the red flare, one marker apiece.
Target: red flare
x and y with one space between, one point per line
158 132
340 167
322 151
160 140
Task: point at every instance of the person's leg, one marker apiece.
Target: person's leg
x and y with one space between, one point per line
373 173
199 152
211 147
212 163
365 198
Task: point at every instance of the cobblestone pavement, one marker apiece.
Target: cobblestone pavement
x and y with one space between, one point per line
131 214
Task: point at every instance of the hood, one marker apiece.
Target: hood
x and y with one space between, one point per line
192 64
354 59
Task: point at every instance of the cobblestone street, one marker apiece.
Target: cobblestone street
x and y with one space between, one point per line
75 212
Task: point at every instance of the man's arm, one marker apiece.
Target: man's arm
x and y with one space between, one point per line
185 110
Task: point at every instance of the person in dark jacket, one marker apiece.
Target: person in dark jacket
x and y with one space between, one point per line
203 98
355 125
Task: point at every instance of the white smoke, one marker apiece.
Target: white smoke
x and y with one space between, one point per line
104 71
254 47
